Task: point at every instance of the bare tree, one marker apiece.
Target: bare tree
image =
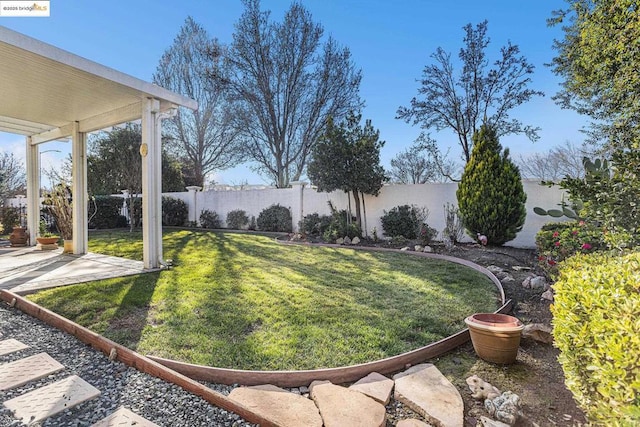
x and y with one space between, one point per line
206 138
287 83
12 176
412 166
478 96
560 162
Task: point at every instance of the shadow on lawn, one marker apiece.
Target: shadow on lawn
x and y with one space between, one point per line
130 318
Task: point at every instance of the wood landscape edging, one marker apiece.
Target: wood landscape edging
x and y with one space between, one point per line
132 358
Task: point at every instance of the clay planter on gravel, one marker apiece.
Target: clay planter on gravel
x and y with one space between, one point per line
495 337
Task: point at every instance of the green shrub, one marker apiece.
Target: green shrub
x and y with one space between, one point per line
490 194
596 327
275 218
174 212
315 224
210 219
341 225
237 219
10 217
557 241
405 220
104 212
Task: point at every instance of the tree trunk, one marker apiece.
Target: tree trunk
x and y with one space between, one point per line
364 216
356 199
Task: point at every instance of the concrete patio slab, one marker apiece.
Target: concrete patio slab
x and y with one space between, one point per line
28 270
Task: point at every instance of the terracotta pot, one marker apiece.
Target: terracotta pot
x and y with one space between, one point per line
18 237
495 337
48 240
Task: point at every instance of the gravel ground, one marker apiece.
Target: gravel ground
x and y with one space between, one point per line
163 403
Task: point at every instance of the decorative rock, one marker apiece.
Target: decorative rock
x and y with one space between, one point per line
520 268
507 279
346 240
494 269
539 283
339 241
418 248
406 248
376 386
501 274
340 406
411 422
488 422
526 283
538 332
355 241
505 408
425 390
548 295
278 405
481 389
427 249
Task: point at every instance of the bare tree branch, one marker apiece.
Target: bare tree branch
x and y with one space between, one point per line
285 84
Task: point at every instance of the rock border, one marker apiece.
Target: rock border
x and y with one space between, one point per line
346 373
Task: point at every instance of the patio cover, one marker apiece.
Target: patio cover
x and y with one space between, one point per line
47 93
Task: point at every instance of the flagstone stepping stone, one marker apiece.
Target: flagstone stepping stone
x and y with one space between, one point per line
281 407
30 368
341 407
46 401
411 422
11 345
376 386
425 390
124 418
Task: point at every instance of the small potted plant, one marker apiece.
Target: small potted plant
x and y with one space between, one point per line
18 235
59 204
45 238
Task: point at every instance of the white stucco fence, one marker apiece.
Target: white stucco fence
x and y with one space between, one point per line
303 200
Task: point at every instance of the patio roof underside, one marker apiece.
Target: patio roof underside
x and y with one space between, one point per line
44 90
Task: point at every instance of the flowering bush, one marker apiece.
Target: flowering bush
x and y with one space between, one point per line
559 240
426 234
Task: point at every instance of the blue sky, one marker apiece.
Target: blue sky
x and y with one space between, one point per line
391 41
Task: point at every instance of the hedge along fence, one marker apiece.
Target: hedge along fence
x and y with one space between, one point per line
597 329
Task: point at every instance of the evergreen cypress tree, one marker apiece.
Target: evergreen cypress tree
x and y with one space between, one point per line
490 194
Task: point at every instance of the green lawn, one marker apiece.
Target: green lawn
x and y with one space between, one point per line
242 301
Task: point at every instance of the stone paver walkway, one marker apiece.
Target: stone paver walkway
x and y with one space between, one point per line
422 387
44 402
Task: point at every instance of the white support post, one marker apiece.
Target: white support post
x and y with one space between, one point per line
80 236
151 197
193 203
157 180
33 191
297 208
